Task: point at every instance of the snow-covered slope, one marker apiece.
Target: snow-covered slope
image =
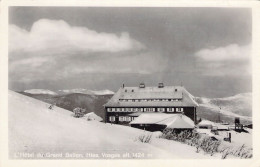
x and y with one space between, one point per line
40 91
34 128
86 91
239 105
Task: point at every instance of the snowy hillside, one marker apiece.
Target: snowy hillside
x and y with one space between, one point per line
40 91
86 91
239 105
34 128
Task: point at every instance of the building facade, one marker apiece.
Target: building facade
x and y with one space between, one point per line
129 102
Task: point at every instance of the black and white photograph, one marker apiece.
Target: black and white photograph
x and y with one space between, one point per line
127 83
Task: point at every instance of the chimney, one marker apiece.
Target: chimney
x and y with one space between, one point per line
142 85
176 89
160 85
123 85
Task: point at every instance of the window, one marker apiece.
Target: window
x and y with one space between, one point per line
112 118
121 118
113 109
179 109
149 109
128 119
170 109
160 109
108 109
124 119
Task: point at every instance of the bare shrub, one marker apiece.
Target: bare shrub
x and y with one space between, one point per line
193 139
225 153
208 144
242 152
145 138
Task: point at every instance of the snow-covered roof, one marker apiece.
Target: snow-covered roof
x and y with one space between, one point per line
218 125
178 121
152 96
206 122
92 116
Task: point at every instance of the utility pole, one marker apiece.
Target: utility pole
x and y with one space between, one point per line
219 114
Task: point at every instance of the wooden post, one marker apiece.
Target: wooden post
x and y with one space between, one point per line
229 136
105 114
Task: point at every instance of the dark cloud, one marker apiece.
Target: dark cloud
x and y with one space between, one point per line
172 45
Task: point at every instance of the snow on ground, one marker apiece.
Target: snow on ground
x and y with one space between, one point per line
40 91
225 111
33 128
239 139
239 105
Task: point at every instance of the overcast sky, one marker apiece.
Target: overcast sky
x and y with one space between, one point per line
207 50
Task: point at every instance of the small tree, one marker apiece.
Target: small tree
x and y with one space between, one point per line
78 112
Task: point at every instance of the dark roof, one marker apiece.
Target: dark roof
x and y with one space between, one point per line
151 96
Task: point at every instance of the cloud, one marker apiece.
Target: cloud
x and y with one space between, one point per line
57 36
231 60
53 50
227 53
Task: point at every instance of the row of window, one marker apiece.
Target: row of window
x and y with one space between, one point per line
121 118
147 100
144 109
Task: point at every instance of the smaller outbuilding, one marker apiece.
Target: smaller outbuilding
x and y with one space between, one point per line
206 124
